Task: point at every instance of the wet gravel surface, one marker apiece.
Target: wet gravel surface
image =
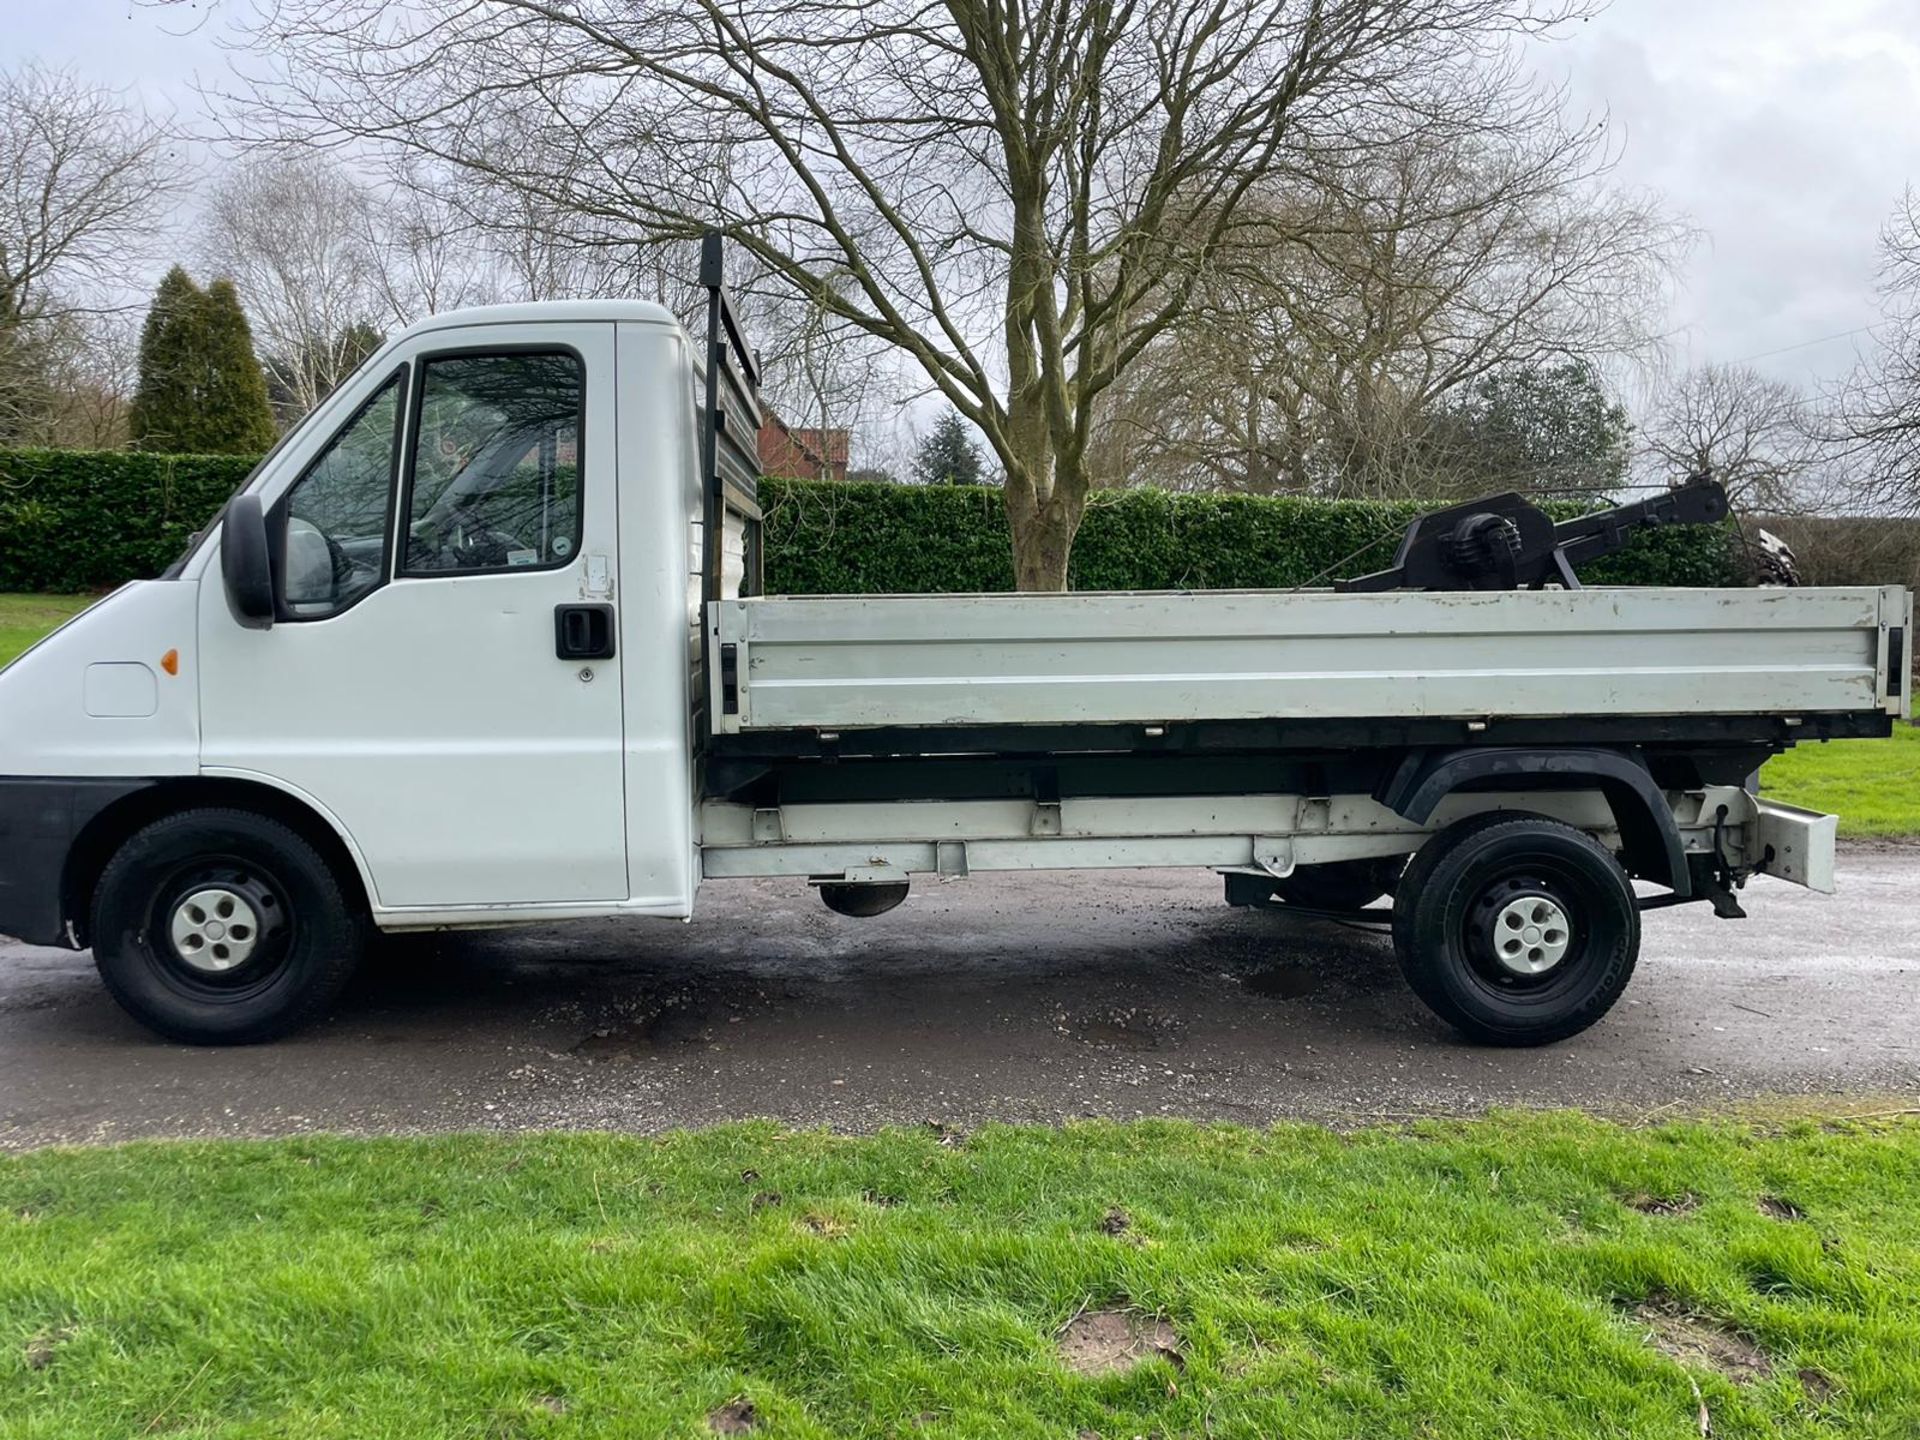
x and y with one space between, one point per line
1025 998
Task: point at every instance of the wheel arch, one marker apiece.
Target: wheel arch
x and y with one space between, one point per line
1650 838
107 831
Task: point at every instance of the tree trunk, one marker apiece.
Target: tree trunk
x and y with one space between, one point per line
1043 521
1041 547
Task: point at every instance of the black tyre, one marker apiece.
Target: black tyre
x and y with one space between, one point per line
1343 884
223 927
1516 930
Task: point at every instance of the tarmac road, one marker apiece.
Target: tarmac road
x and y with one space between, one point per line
1016 998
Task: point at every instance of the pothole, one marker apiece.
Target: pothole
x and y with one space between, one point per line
1283 982
1113 1342
1701 1341
680 1021
1124 1030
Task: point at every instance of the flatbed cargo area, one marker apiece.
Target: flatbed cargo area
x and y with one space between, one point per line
838 662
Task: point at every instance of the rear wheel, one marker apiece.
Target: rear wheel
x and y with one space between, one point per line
1341 884
223 927
1516 930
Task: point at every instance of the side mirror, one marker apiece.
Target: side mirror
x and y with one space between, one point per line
245 562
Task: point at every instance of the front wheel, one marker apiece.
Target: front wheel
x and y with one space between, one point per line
222 927
1515 929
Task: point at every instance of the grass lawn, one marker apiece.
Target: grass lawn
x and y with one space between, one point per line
25 618
1529 1275
1872 785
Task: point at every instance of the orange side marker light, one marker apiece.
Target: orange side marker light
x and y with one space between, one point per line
170 662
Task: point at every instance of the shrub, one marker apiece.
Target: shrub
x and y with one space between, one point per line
827 538
88 519
84 520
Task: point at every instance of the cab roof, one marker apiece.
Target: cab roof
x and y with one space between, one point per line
549 312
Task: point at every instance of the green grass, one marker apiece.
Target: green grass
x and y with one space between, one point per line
25 618
1872 785
1450 1280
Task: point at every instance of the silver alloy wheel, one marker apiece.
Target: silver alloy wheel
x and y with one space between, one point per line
214 929
1531 935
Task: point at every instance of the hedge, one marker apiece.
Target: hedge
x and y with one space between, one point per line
73 520
87 520
830 538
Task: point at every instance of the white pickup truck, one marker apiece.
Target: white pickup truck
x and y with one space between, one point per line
481 642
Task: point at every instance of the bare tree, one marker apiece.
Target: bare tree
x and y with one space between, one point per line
1876 420
1757 436
1319 351
290 229
423 248
82 182
90 373
1021 198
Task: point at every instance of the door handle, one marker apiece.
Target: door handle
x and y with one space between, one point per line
583 632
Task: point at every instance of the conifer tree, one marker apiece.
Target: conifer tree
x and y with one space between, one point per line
235 418
948 455
164 401
201 389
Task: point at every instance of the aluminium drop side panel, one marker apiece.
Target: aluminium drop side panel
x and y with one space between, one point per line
842 662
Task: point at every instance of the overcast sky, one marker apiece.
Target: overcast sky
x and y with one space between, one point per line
1784 130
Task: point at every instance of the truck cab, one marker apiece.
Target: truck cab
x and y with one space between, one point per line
471 692
482 642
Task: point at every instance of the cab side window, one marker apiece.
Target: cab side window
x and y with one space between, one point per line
336 513
494 480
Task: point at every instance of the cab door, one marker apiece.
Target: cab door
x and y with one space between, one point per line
443 673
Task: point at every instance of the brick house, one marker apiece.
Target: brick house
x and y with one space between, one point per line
801 454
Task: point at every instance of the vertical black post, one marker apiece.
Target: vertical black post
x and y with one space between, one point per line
713 515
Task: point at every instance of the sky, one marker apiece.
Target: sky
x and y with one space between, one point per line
1783 131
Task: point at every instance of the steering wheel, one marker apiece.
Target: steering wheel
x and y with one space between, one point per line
462 541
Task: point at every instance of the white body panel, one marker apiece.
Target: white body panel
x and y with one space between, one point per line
52 729
659 505
469 765
845 662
